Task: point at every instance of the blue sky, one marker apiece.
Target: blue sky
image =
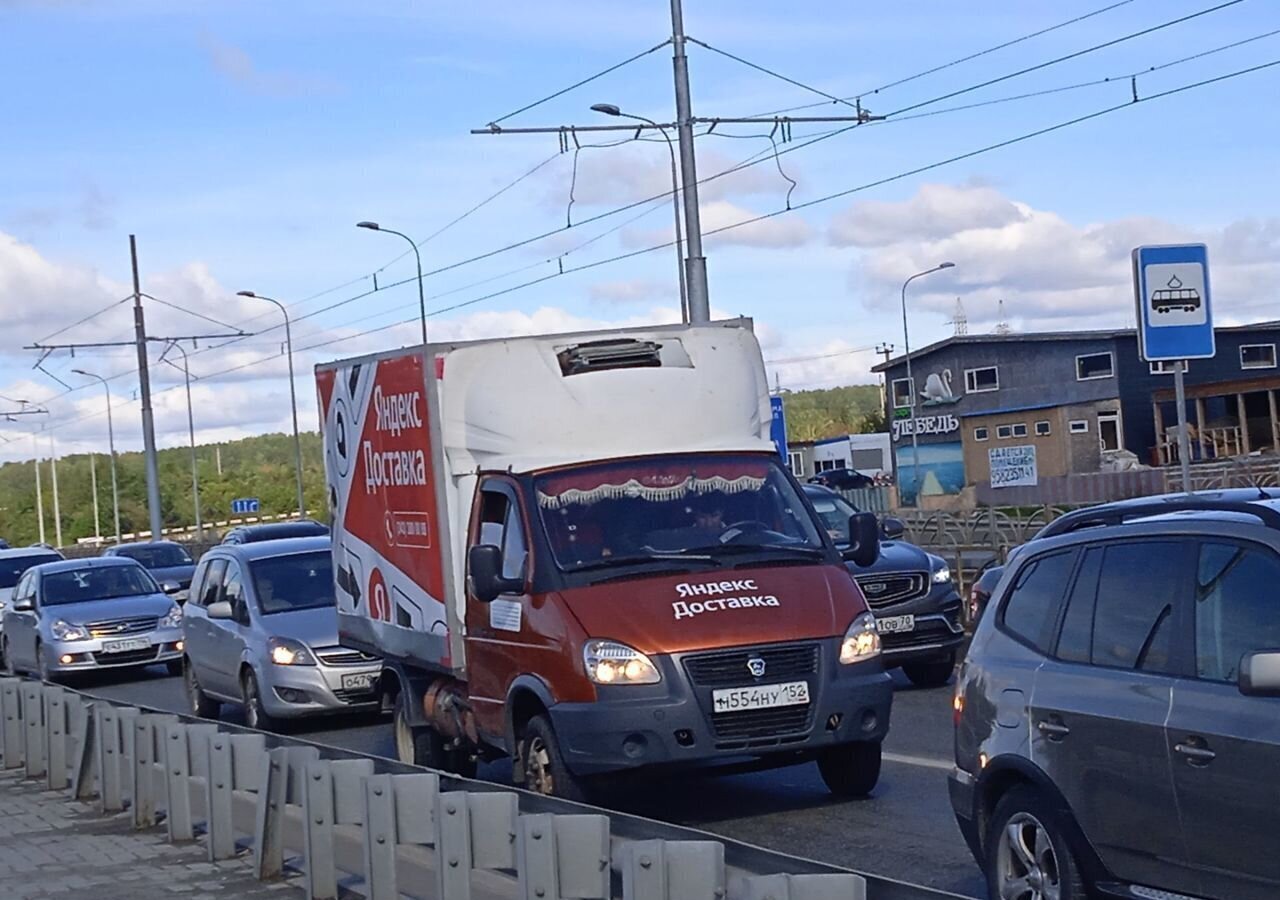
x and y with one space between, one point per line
241 141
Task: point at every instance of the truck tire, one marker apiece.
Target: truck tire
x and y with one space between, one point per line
544 771
422 745
1027 850
932 674
851 770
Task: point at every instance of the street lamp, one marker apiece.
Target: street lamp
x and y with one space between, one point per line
191 431
293 394
610 109
911 385
422 297
111 443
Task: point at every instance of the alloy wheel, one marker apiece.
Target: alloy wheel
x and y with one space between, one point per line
1028 863
537 768
252 704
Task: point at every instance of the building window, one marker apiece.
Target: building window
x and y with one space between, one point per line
981 433
1095 365
978 381
1165 367
1020 430
795 461
1109 431
1258 356
1043 429
1004 432
1079 426
904 395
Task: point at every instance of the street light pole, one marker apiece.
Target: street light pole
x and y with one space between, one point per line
57 512
111 445
293 394
911 385
610 109
35 443
699 304
93 485
191 432
422 297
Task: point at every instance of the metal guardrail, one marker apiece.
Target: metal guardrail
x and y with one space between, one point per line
381 828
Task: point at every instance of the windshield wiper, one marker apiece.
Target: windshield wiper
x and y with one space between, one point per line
610 562
742 549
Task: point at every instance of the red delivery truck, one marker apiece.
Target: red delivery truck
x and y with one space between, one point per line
583 553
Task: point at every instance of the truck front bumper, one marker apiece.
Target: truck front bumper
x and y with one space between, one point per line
673 722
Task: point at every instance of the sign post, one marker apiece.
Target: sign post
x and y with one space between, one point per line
1175 320
778 427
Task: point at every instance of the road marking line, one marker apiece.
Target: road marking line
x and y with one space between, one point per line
925 761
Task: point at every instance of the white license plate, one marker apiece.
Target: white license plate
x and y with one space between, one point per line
895 624
765 696
360 681
126 646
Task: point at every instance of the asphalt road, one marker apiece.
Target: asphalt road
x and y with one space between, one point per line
904 831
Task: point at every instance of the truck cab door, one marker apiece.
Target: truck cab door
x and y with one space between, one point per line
499 637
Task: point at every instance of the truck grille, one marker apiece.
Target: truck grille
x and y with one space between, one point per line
117 627
886 589
729 668
343 656
761 727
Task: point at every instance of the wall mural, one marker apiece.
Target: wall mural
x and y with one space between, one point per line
940 471
937 390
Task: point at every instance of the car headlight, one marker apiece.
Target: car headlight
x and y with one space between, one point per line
65 631
861 642
941 571
609 662
172 619
288 652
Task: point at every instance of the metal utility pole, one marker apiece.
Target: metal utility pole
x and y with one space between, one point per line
695 262
93 482
111 446
144 391
191 432
911 384
1184 439
57 513
885 350
39 494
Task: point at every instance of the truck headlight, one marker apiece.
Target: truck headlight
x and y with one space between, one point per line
861 641
172 619
288 652
65 631
941 571
609 662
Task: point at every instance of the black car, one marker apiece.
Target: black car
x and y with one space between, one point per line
911 592
274 531
843 479
167 561
1118 712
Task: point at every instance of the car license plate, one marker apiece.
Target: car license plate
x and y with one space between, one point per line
360 681
765 696
126 646
895 624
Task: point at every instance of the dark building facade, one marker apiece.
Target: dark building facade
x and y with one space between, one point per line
993 408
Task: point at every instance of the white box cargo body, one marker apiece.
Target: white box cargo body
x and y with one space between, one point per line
406 432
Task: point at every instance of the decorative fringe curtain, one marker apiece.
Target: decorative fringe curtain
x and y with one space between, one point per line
633 488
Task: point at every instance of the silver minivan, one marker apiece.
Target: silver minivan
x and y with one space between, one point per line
261 631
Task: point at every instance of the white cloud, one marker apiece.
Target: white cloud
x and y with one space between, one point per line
779 232
936 211
237 66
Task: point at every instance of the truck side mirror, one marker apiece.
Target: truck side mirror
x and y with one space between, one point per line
864 539
1260 674
484 564
892 528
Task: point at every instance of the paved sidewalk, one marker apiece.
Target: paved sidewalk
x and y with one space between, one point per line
52 847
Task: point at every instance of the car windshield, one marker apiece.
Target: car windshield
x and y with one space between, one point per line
161 556
11 569
97 583
695 505
834 512
293 582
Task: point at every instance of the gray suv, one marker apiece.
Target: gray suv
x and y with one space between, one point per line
1118 713
261 631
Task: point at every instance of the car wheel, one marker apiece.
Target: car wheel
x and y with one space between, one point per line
851 770
931 674
541 766
42 664
1028 854
201 704
255 716
422 745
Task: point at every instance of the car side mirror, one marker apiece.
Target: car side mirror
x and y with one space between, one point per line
864 539
892 528
484 563
23 605
220 610
170 587
1260 674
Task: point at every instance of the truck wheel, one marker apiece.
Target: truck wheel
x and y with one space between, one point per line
422 745
544 771
931 674
1028 854
851 770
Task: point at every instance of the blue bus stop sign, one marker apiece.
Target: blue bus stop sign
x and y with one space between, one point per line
1175 313
778 427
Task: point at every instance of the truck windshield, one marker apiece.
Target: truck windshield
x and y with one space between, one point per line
705 505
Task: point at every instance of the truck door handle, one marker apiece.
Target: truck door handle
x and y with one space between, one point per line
1053 730
1196 755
